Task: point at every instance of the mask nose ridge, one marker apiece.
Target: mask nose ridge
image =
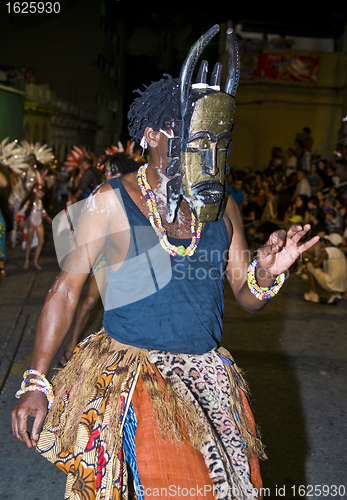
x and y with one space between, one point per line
209 161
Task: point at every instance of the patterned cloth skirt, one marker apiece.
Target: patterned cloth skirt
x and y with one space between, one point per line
129 423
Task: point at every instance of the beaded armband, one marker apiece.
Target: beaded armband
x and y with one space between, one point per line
36 384
263 293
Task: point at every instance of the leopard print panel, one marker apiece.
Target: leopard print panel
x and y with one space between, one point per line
203 380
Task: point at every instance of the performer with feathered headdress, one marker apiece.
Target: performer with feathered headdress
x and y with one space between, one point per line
38 158
4 184
80 162
32 213
12 166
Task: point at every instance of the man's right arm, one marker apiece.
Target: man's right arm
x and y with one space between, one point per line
55 320
61 302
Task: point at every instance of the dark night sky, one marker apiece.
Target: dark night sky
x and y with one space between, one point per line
293 18
290 19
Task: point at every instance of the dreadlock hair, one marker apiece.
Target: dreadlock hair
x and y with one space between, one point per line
155 107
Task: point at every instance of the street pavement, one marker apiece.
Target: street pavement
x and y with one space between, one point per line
293 354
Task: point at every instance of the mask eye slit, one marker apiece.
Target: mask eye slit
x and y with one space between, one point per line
199 144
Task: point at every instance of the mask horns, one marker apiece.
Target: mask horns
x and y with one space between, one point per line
189 65
202 75
233 75
216 75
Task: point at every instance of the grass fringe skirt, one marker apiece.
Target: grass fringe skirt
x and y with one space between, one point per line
90 421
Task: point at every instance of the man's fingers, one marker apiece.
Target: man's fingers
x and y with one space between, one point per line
264 252
19 428
294 229
296 232
25 438
277 237
32 404
305 246
37 426
14 423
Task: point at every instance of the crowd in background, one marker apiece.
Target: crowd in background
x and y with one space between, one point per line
297 188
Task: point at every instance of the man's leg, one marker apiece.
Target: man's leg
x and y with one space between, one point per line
166 467
312 295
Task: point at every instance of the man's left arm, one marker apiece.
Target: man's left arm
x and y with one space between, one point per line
275 257
239 259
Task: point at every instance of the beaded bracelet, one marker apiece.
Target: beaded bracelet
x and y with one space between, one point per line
263 293
41 384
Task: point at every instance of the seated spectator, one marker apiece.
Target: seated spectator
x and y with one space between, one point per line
343 245
258 180
333 218
315 217
307 142
285 189
259 203
333 221
270 209
302 185
322 171
297 212
340 170
276 160
331 180
321 199
329 270
298 150
291 163
250 210
236 187
315 180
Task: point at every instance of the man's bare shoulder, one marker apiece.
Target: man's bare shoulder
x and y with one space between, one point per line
104 189
103 199
102 209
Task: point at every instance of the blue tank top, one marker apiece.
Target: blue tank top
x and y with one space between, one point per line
157 301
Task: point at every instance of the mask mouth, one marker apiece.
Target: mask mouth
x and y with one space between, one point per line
208 192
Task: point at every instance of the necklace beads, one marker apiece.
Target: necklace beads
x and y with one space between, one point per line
156 222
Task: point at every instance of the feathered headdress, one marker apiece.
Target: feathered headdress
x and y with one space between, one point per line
76 155
42 153
11 156
128 151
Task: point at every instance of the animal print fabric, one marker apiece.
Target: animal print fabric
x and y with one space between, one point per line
202 379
